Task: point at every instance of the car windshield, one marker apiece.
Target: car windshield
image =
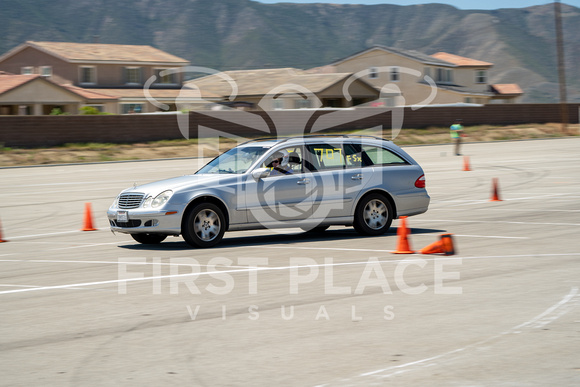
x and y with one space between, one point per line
235 161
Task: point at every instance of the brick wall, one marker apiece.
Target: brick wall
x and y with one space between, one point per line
40 131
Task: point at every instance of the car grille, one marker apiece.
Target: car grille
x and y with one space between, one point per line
131 223
132 200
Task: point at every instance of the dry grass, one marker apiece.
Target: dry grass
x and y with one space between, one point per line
83 153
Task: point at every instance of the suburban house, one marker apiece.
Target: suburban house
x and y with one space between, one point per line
42 77
33 94
109 77
285 88
406 77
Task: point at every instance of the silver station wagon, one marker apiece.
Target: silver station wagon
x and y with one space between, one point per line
310 182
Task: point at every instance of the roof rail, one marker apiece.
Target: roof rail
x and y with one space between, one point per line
285 138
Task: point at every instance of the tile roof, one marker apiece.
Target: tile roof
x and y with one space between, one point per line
460 60
411 54
11 81
90 94
94 52
326 69
155 93
507 88
264 81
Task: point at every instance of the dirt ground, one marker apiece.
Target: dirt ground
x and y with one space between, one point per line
84 153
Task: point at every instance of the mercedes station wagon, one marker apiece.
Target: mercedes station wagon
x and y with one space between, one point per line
310 182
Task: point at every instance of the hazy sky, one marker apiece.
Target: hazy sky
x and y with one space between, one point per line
461 4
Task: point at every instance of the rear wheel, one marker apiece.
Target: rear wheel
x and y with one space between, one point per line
204 226
373 215
149 239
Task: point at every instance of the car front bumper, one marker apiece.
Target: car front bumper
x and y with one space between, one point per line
138 220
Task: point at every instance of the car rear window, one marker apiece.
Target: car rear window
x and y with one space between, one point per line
381 156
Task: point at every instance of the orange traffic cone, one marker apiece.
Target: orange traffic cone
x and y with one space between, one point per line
88 223
2 238
495 191
403 245
466 166
444 246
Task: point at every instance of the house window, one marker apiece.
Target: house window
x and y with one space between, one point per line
168 77
88 75
27 70
130 108
467 99
449 76
133 75
373 73
439 75
301 103
427 72
278 104
480 76
394 74
444 75
46 71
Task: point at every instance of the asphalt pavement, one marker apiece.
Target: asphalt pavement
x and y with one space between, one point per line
288 308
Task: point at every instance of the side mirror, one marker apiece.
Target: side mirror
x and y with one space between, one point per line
260 173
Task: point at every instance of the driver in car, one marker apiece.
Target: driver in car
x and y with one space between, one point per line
279 164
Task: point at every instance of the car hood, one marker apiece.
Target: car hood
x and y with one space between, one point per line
181 183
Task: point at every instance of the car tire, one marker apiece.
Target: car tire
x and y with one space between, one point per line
204 226
373 215
149 239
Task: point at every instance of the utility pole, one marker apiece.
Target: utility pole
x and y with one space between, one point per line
561 66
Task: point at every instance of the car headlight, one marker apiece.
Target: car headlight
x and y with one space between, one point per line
115 203
158 200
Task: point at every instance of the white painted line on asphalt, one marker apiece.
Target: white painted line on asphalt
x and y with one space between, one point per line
110 282
325 248
545 318
47 234
498 222
489 236
18 286
89 245
428 362
44 193
42 243
84 183
438 257
517 210
264 268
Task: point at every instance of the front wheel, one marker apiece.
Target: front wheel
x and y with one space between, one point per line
149 239
373 215
204 226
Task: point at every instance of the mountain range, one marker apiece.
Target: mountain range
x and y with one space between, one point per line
245 34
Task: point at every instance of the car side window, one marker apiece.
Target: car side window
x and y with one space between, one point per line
326 156
295 159
286 161
355 157
381 156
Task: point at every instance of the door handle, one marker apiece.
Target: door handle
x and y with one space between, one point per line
358 176
303 182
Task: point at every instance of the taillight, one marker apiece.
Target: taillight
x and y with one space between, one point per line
420 182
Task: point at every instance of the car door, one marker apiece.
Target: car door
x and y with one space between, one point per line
338 177
280 199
